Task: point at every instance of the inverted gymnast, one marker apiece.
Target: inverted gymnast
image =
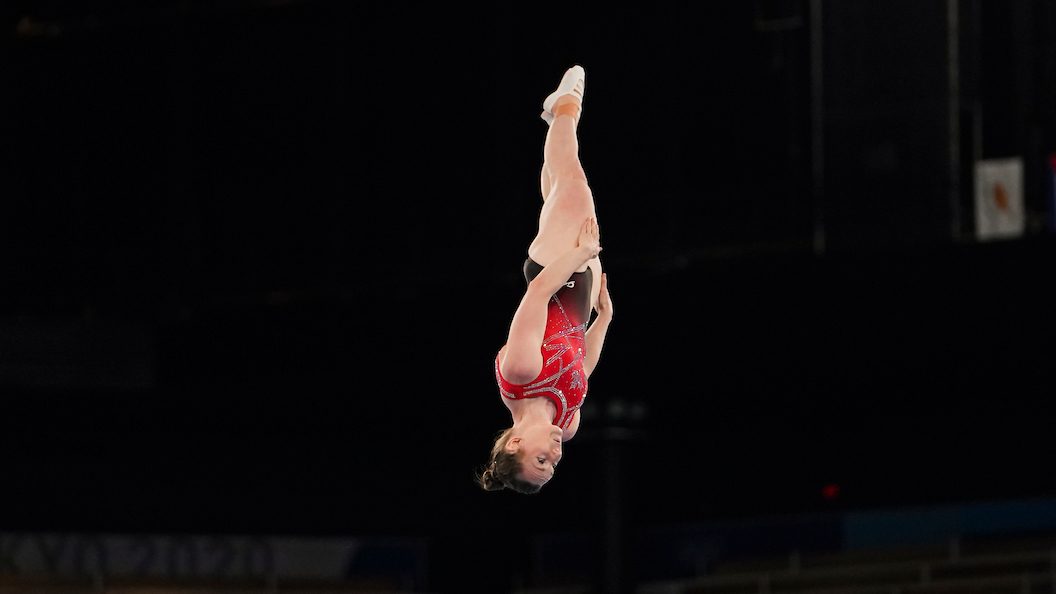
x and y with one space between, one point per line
549 354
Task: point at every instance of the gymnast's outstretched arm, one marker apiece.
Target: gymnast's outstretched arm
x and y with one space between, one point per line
596 333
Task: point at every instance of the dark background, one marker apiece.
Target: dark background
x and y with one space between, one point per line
259 256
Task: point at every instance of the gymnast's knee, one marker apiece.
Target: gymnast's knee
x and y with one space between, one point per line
568 175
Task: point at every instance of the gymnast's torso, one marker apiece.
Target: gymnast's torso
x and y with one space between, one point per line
562 379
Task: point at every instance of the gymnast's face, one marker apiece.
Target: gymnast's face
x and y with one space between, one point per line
539 450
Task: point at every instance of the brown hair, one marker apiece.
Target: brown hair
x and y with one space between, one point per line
501 472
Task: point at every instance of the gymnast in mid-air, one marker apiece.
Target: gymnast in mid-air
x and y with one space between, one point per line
550 353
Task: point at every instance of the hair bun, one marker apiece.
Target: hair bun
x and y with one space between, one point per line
489 482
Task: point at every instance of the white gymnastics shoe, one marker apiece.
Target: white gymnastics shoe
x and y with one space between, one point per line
574 82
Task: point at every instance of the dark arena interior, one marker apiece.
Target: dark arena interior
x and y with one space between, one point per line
259 257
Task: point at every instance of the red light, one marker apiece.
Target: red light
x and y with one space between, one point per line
830 491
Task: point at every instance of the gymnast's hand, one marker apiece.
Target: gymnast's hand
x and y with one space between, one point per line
604 305
590 238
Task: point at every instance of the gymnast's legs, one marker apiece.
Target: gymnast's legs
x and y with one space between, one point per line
567 197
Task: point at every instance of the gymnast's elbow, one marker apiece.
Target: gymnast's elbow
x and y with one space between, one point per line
519 371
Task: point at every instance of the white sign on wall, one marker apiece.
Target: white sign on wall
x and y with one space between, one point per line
999 199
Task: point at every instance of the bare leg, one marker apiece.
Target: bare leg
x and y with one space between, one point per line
561 152
544 182
568 199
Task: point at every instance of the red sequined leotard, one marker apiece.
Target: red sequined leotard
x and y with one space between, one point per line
562 378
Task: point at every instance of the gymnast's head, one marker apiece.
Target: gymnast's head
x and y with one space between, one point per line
523 459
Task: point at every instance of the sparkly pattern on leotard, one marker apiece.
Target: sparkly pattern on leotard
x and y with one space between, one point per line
562 378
